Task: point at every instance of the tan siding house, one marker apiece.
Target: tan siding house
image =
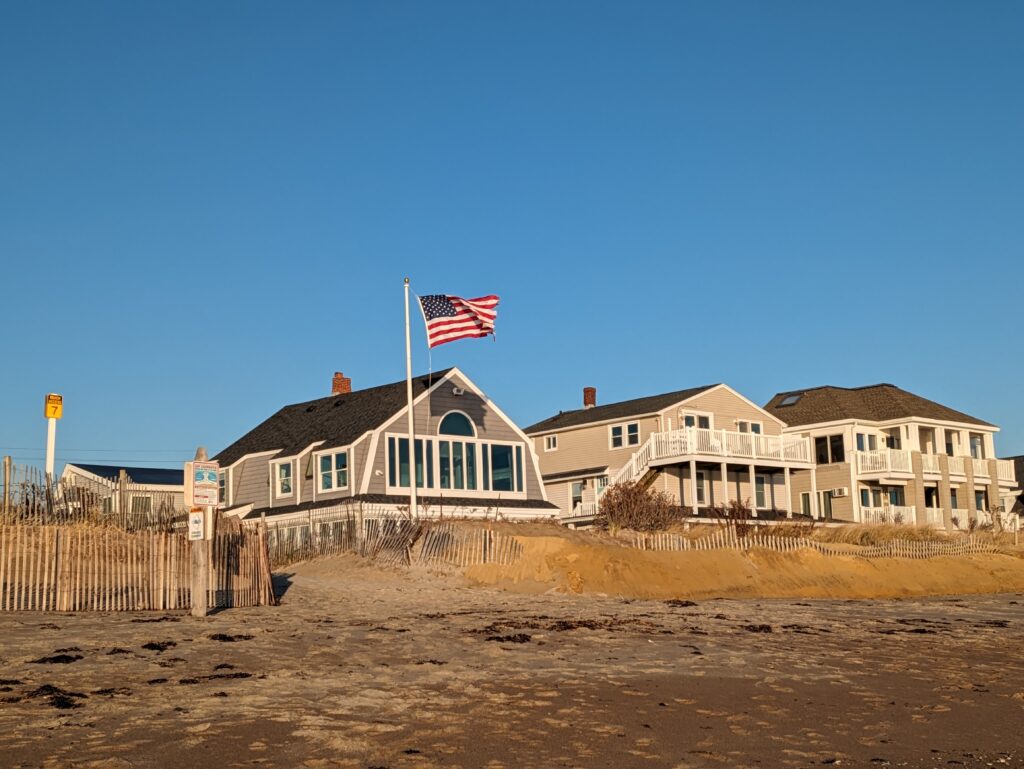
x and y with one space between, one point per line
704 446
882 454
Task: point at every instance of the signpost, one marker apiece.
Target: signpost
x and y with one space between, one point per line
202 493
53 409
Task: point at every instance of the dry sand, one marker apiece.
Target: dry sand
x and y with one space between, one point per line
365 667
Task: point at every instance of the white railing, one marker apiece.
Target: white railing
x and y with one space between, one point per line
984 517
722 444
961 514
895 514
933 516
956 466
1005 470
930 463
980 466
584 510
884 461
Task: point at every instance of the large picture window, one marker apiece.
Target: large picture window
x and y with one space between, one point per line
829 449
457 465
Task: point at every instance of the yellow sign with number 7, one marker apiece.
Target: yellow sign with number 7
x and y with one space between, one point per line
54 408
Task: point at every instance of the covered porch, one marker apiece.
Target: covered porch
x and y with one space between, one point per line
702 485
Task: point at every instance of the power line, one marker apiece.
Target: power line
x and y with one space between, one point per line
110 451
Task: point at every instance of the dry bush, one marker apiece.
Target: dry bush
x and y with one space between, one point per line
632 505
798 528
735 516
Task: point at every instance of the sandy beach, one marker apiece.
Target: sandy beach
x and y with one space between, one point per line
367 667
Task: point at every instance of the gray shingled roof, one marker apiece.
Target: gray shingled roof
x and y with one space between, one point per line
337 420
650 404
876 403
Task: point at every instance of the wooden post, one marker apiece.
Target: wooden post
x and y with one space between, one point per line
8 465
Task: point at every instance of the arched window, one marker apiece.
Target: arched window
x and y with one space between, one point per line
456 423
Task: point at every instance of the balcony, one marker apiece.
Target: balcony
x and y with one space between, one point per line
933 517
883 462
956 466
980 467
722 445
930 464
1005 470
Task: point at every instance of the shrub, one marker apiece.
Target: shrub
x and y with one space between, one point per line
632 505
735 516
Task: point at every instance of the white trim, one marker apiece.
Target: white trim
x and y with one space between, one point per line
695 413
625 435
554 446
750 424
744 399
468 419
254 455
318 474
275 479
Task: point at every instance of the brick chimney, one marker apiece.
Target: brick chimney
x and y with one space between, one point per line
589 397
341 384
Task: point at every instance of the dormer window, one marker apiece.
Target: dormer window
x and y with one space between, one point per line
284 479
334 471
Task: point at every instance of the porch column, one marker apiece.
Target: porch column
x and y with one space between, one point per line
725 484
753 489
785 486
693 485
814 492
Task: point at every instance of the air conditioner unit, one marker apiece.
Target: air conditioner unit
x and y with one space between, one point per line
842 491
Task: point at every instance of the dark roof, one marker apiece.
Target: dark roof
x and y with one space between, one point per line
393 499
875 403
337 420
151 476
623 409
585 472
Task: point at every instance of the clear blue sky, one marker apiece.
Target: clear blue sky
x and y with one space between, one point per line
208 208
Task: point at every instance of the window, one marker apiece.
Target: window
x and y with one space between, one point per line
866 442
826 505
456 423
952 498
602 484
892 439
790 400
829 449
142 505
701 421
576 495
977 446
749 427
625 435
760 491
284 479
805 503
865 498
456 464
501 468
701 481
980 500
950 443
876 497
896 496
550 442
222 495
334 471
931 497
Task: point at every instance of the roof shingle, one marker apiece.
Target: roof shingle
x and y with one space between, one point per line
650 404
875 403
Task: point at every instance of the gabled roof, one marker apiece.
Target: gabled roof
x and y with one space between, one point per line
651 404
337 420
150 476
874 403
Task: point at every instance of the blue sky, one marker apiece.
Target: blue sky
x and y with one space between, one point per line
208 208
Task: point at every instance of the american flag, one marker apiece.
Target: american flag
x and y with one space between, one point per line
451 317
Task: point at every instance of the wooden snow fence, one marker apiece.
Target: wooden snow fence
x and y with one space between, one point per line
728 539
448 545
85 568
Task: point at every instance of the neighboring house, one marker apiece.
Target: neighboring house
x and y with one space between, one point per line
883 454
146 489
704 446
1014 501
350 450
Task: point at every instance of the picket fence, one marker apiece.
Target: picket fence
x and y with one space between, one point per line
728 539
391 541
85 568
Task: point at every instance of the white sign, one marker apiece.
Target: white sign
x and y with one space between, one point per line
202 486
195 525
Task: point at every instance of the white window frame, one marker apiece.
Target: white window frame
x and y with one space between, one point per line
701 479
625 435
319 474
290 464
750 426
806 508
550 443
477 443
684 413
763 478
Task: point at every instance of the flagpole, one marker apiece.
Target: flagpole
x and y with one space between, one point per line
413 509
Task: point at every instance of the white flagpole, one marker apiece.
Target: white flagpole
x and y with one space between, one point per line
413 509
